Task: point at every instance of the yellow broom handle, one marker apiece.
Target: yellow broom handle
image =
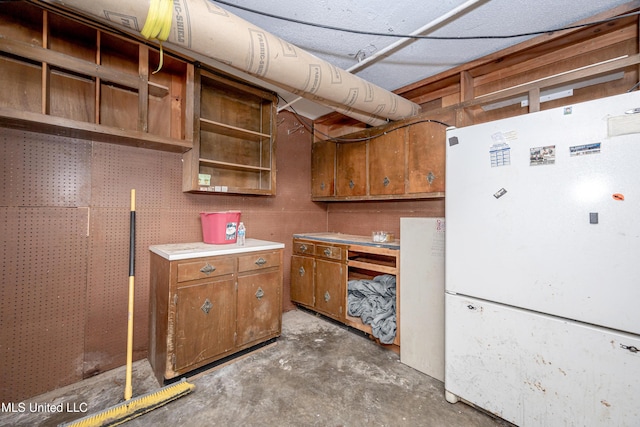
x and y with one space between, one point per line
128 391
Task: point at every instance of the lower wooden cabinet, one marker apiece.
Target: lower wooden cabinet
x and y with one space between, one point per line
303 280
322 264
209 307
259 307
329 288
318 277
205 315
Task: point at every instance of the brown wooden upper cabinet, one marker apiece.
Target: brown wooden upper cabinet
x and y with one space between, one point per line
426 158
68 78
351 173
387 163
234 140
323 169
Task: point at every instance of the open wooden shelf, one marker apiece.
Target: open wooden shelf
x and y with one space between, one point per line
67 77
232 131
234 145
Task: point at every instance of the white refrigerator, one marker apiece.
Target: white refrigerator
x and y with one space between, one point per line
542 266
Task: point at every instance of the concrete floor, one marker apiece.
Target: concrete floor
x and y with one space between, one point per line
317 373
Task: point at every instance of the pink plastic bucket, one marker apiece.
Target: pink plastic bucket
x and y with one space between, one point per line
220 227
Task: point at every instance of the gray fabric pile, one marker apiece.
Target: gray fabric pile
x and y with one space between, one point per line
374 301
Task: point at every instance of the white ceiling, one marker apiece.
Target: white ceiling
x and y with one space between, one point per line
416 59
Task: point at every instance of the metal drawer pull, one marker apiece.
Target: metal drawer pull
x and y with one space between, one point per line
259 293
261 261
327 252
351 184
386 181
208 269
327 297
303 248
207 306
301 271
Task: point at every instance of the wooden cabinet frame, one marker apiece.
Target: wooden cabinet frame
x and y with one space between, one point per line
392 162
318 277
204 309
83 82
321 266
234 139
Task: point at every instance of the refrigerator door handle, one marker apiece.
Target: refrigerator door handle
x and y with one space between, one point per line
632 348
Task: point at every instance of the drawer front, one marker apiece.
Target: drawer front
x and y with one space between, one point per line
332 252
303 248
204 268
258 261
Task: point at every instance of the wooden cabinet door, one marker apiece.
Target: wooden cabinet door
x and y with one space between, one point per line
205 322
323 168
386 163
351 173
302 274
329 292
426 157
259 306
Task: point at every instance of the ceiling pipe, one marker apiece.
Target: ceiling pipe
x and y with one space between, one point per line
419 32
213 32
403 41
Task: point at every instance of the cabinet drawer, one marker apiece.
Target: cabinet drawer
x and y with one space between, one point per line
258 261
333 252
204 268
303 248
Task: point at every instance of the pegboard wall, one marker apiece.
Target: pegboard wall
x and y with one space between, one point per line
42 298
64 216
64 229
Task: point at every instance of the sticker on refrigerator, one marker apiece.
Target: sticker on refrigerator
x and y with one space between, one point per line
501 192
542 155
500 154
580 150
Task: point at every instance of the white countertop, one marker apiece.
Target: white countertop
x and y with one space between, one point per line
177 251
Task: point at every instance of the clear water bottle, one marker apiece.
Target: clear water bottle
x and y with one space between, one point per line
242 232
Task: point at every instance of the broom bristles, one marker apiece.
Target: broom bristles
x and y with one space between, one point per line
133 408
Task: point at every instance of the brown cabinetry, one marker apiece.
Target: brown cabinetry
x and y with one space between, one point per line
323 169
425 158
205 308
259 297
318 272
323 263
64 77
234 142
386 163
351 173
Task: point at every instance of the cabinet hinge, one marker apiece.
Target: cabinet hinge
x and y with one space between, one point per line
173 361
175 299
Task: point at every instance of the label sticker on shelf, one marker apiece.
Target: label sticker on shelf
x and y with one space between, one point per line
204 179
